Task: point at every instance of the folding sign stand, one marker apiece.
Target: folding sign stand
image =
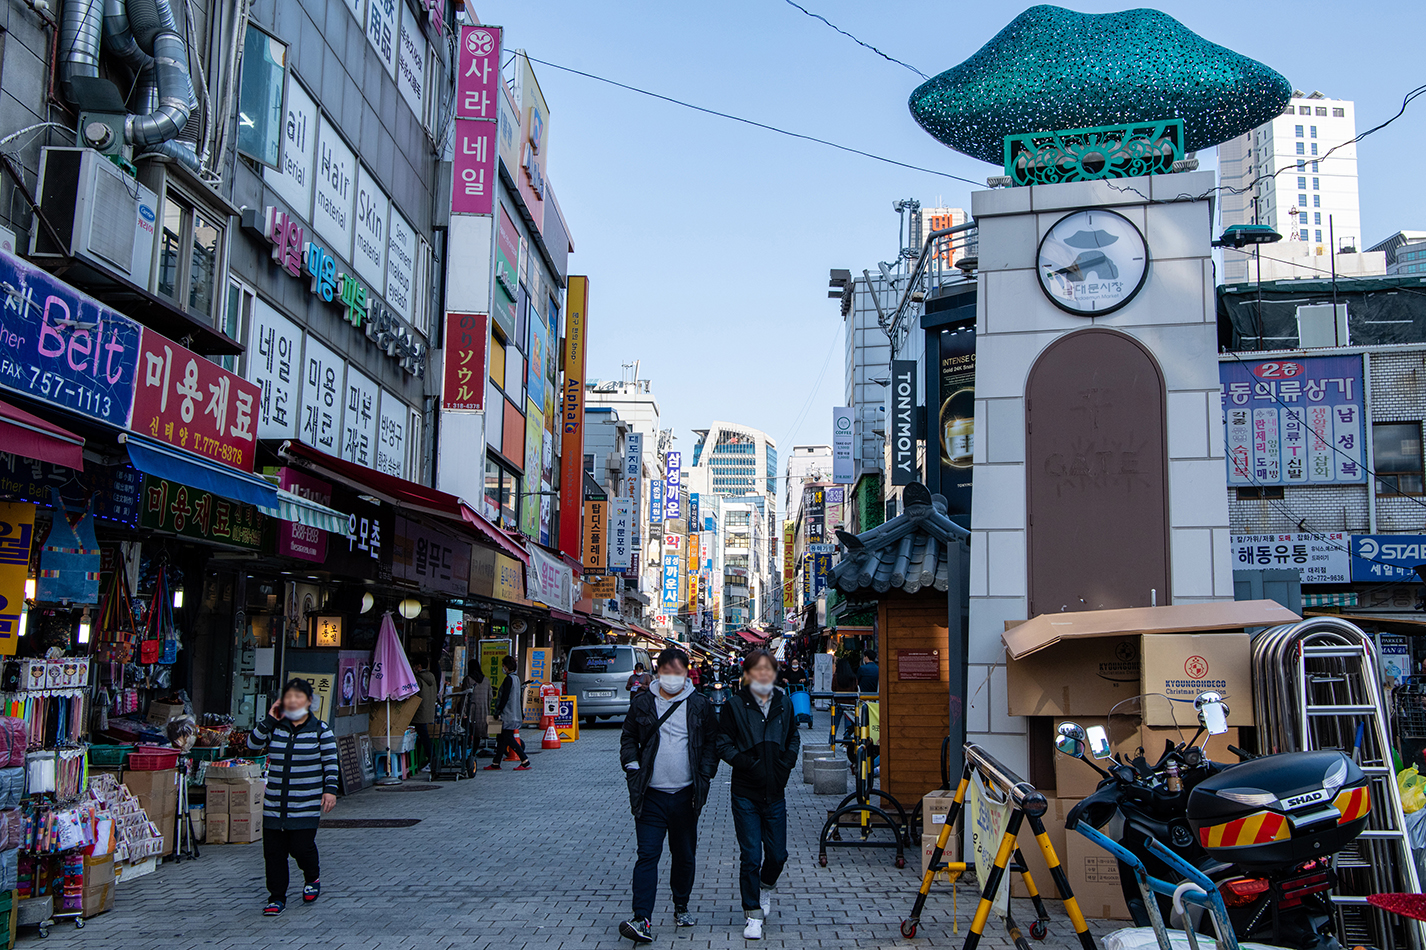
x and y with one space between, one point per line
1025 803
860 803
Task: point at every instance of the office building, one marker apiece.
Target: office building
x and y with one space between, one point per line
739 464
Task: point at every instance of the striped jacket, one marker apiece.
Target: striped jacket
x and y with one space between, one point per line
301 766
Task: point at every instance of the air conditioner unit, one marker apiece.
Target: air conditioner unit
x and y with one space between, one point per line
107 217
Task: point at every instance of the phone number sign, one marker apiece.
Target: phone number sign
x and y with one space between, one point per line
1320 557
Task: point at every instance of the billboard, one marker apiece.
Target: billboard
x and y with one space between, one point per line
572 417
843 468
673 482
904 467
1387 557
955 420
621 534
1320 557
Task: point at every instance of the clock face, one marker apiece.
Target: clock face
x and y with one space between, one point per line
1092 262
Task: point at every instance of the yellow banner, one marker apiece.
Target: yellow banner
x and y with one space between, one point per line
17 528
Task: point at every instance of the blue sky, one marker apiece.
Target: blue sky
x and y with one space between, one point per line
707 243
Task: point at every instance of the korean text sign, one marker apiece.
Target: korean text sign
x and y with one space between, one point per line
17 527
1387 557
1321 557
64 348
193 513
186 400
621 534
464 361
1293 422
433 559
478 75
673 466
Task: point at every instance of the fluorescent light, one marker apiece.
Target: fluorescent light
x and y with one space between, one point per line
177 597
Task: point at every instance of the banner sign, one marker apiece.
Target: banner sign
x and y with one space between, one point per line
621 534
670 582
904 469
1320 557
299 540
464 361
192 513
955 421
595 536
478 73
656 502
365 550
432 559
17 529
843 467
551 581
572 416
1294 422
496 575
673 484
1387 557
634 481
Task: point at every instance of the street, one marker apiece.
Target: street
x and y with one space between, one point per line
539 860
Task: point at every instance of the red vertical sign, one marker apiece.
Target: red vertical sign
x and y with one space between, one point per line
464 370
186 400
572 418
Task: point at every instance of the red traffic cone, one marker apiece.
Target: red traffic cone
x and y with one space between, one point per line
510 755
552 736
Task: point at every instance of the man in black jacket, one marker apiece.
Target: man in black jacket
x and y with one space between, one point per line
758 738
668 751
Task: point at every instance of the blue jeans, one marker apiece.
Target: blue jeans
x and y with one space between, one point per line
665 814
762 843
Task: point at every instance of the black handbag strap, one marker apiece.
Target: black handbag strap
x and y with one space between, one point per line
668 712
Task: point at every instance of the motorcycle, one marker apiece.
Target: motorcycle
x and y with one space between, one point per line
1251 842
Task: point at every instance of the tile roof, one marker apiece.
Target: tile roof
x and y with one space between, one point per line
906 553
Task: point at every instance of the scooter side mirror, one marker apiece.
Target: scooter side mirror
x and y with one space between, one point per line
1069 746
1212 712
1099 742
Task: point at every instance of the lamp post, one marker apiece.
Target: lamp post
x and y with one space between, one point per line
1239 236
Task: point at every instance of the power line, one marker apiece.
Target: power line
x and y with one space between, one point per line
889 59
755 124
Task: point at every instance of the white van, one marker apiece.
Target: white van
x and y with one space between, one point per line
598 676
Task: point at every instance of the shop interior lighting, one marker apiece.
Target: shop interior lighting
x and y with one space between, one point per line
30 589
410 608
84 626
177 598
367 602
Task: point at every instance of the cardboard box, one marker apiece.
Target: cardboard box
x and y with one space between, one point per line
952 853
217 802
161 713
157 792
244 828
230 774
98 870
243 797
935 806
216 827
1054 820
98 898
1181 666
1094 877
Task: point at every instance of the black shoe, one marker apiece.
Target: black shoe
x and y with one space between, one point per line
273 908
637 929
310 892
682 918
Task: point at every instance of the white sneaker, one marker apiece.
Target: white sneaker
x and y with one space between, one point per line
765 899
754 929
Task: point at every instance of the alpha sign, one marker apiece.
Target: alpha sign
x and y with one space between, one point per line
904 469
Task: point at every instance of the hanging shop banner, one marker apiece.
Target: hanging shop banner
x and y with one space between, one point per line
634 481
63 347
432 559
299 540
17 528
467 335
821 570
507 282
323 382
534 448
904 469
1320 557
693 516
656 502
112 491
365 550
274 364
843 469
955 426
595 536
1293 422
473 167
673 485
670 582
572 416
1387 557
550 581
191 402
359 418
193 513
621 534
478 73
496 576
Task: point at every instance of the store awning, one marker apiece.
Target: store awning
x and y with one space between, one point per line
34 438
166 461
751 637
1330 600
493 533
305 511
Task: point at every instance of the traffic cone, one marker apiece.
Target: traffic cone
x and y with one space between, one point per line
552 736
510 755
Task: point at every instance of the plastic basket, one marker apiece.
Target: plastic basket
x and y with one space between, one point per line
147 758
109 756
208 753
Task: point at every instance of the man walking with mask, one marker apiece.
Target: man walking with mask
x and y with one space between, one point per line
669 753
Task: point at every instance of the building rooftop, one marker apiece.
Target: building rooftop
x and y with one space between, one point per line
906 553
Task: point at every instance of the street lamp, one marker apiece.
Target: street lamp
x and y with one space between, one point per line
1239 236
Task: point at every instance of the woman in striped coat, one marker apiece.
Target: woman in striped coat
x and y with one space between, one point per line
301 787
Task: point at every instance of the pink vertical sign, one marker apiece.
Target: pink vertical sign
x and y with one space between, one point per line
478 84
478 77
473 188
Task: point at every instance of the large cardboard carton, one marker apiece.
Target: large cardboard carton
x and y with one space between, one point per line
245 827
98 870
951 854
935 806
98 898
160 714
217 801
243 797
1094 877
1054 820
157 792
1082 663
216 827
229 774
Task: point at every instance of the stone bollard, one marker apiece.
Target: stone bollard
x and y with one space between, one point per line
809 755
830 777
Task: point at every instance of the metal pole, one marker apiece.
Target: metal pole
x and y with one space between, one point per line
1332 250
1258 256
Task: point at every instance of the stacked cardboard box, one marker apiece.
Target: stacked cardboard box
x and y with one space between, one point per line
157 792
98 884
233 813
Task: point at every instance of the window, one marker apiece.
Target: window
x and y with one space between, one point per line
1266 491
1302 182
501 488
1304 110
1301 148
1315 184
235 316
1397 447
1314 152
1302 218
1318 239
1316 201
1317 218
1302 166
1298 130
1302 200
1314 167
1302 235
260 97
1339 113
1321 110
190 252
1314 131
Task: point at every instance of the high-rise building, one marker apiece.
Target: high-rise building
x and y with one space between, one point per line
806 463
939 219
1412 242
1281 175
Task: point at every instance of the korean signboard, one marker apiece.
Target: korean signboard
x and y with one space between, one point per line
904 469
595 539
169 506
534 443
478 73
411 61
383 30
496 576
111 491
843 468
391 436
293 181
323 385
656 501
572 416
473 188
633 479
365 550
299 540
186 400
65 348
670 582
464 367
621 534
1321 557
17 528
551 581
430 558
673 466
360 419
1293 422
274 363
1387 557
335 180
478 85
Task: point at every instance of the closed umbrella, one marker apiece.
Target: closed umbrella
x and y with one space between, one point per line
391 678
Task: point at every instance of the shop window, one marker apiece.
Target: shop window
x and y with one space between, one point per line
235 318
190 258
502 488
1397 448
260 97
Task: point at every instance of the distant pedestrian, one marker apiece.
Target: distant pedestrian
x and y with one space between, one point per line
301 788
639 679
795 676
475 706
426 714
869 675
669 752
758 738
510 707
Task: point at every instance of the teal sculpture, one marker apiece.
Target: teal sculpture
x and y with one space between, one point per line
1052 68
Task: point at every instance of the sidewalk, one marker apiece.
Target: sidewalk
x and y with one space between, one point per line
537 859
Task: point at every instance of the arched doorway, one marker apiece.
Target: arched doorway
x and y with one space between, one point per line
1096 475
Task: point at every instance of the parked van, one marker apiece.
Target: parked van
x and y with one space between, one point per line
597 676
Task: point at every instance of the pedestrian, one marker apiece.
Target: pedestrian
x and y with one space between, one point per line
425 714
301 788
669 752
510 707
475 705
795 675
869 675
639 679
758 738
695 675
844 677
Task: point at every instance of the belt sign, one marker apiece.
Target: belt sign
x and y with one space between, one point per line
904 467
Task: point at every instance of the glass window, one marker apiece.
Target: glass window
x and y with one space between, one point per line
1301 149
260 97
1314 168
1302 218
1316 201
1314 131
1302 200
1314 149
492 484
235 313
1397 447
601 660
188 277
1318 239
1298 131
1302 235
1316 217
170 246
1315 183
509 490
1304 110
1321 110
1339 113
1302 182
203 266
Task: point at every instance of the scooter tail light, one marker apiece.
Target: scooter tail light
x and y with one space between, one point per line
1352 804
1242 891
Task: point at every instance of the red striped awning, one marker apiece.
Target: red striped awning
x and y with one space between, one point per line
34 438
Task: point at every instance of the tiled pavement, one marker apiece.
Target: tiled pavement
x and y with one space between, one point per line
539 859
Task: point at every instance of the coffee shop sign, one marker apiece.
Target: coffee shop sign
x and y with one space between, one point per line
363 310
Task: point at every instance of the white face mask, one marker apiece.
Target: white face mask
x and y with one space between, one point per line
760 689
294 714
672 682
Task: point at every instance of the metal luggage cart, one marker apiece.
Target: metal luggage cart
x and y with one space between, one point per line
452 749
